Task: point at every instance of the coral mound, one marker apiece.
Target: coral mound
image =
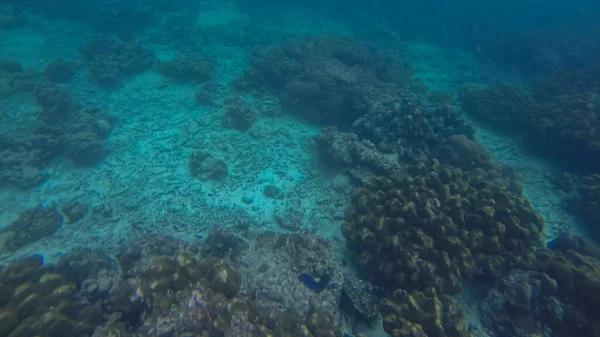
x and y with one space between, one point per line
433 225
499 105
32 225
36 300
422 314
328 79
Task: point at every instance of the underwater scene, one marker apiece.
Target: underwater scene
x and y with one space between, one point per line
316 168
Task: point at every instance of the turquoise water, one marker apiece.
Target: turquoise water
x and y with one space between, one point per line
267 168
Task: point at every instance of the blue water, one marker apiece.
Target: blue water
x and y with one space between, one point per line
315 168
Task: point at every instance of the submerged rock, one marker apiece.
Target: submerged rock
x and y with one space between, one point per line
360 295
206 167
32 225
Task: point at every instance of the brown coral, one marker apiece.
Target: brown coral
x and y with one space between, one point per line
433 225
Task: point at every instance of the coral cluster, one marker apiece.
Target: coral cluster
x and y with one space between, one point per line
522 304
110 60
158 286
358 297
578 278
238 114
79 132
328 79
411 128
422 314
556 298
346 150
206 167
63 128
499 105
434 225
560 117
38 300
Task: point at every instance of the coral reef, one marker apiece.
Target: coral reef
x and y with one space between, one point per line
59 71
346 150
560 117
461 152
290 217
158 286
567 83
224 244
110 60
567 126
78 131
522 304
358 297
192 68
238 114
422 314
499 105
32 225
204 166
278 260
36 300
434 225
328 79
412 128
63 127
165 283
578 278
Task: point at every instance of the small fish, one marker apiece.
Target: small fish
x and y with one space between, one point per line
312 284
